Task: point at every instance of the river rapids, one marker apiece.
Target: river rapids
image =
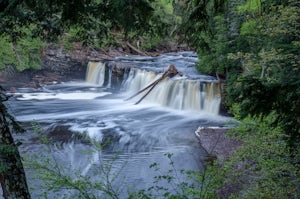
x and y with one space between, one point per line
94 134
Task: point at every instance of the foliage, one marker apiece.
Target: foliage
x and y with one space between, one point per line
24 53
261 168
251 6
249 28
199 20
25 25
129 15
56 178
164 22
97 23
28 52
6 52
255 97
12 174
104 180
171 184
270 82
56 17
263 164
255 46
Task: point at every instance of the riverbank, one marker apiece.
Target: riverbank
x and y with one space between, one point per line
61 65
216 143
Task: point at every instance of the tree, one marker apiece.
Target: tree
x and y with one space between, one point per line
208 26
269 82
12 175
53 18
254 45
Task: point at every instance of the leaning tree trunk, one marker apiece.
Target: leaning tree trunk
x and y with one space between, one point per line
12 175
171 72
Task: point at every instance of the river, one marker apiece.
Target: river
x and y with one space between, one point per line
77 117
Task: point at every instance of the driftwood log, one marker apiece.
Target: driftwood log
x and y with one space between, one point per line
171 72
135 49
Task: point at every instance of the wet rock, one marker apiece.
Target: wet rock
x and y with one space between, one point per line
12 90
219 146
62 134
31 84
215 142
59 65
109 140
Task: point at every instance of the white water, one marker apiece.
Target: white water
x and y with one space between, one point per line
178 93
63 96
164 122
96 73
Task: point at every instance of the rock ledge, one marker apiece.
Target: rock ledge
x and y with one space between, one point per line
216 143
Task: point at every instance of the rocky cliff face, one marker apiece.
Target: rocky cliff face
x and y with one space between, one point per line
63 63
57 66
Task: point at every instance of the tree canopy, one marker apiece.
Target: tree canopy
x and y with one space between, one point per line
53 18
254 45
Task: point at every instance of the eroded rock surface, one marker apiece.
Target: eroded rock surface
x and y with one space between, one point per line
216 143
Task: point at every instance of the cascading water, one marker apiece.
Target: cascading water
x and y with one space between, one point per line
179 93
75 115
96 73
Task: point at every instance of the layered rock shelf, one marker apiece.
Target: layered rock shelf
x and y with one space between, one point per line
216 143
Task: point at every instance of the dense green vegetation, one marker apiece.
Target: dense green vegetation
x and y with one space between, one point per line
252 44
255 45
25 25
23 54
12 174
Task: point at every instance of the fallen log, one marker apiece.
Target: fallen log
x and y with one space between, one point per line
171 72
156 81
135 49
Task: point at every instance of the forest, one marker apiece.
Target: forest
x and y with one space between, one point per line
253 46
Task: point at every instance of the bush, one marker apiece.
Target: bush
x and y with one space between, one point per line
263 165
25 53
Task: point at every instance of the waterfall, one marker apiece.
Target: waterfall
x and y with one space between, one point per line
179 93
96 73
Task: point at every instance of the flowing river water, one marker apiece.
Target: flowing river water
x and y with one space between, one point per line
78 116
